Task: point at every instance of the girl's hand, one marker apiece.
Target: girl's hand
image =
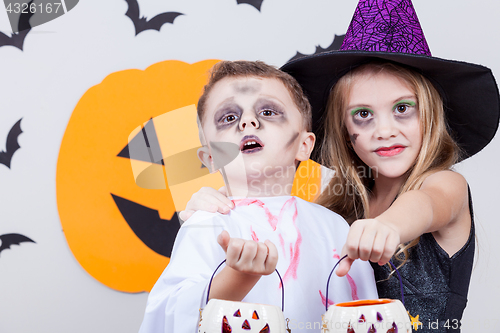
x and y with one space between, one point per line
248 256
369 239
209 200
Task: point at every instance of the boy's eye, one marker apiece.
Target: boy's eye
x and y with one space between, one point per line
267 113
229 118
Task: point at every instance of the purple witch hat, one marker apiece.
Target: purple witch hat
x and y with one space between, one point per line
387 26
389 30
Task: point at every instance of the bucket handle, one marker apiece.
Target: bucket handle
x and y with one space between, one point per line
338 262
282 286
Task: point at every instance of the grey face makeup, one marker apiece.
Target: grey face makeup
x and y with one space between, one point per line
230 113
246 87
353 137
292 140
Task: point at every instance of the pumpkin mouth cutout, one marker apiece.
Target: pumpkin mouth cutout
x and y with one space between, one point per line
365 302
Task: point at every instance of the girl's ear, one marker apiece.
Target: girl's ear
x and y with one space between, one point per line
307 141
205 158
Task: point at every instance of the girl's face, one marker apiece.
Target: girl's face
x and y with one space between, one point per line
382 119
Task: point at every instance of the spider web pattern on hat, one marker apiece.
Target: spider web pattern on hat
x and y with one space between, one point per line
388 26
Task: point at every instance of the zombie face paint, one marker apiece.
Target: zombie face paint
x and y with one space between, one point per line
353 137
382 119
242 108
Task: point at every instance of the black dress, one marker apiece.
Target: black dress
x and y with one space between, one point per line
435 285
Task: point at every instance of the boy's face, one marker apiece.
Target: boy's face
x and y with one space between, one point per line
260 117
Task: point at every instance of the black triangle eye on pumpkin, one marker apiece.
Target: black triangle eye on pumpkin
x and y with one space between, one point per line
226 328
246 325
122 233
265 329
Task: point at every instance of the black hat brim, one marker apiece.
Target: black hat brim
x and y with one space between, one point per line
469 91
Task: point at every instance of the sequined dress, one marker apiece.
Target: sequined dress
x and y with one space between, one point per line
435 285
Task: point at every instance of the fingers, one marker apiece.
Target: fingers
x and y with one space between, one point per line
344 267
248 256
392 244
223 240
185 214
272 257
209 200
223 191
369 239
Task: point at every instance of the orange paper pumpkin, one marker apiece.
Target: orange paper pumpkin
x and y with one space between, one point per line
110 222
121 225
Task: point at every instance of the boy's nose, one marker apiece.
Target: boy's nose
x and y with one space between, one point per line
249 120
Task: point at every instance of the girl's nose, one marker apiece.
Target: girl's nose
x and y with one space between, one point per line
386 128
248 119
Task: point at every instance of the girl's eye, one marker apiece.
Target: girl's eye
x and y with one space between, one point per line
229 118
402 108
363 114
267 113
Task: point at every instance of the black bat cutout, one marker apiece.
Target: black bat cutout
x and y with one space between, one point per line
158 234
334 46
12 145
17 38
142 23
255 3
8 240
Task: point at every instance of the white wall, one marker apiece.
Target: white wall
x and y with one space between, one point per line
42 287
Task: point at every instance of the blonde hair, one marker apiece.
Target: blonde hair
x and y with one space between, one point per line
349 190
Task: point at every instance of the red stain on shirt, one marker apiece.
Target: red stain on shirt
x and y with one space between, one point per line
335 255
273 220
354 288
323 299
254 235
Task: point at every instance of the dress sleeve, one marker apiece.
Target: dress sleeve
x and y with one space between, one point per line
175 301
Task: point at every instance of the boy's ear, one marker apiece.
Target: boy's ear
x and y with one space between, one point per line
307 140
205 158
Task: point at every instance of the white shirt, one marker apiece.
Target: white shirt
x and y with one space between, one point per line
309 239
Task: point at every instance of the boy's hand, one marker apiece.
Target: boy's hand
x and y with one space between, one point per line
209 200
369 239
248 256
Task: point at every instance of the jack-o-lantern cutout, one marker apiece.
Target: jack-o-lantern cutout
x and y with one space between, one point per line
234 317
367 316
122 233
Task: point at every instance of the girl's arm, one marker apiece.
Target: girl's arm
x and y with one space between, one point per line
209 200
440 206
246 262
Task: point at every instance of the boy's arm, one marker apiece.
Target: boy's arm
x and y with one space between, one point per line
246 262
174 302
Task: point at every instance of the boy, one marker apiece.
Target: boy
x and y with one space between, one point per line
262 112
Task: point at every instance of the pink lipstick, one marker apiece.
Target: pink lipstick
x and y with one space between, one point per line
390 151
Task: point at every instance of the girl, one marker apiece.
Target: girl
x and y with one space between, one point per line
396 120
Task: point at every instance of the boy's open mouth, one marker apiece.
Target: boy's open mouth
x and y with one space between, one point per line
251 144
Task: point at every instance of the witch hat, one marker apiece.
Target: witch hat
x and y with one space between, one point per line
389 30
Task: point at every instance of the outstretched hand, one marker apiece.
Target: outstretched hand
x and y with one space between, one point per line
209 200
248 256
369 239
